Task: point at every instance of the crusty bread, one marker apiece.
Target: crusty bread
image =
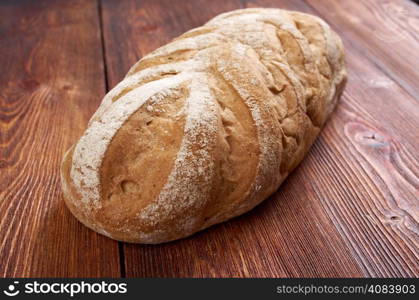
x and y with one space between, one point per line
206 127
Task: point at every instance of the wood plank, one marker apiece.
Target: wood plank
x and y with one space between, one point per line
292 234
387 32
366 170
134 28
52 81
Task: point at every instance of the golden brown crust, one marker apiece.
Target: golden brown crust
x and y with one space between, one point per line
206 127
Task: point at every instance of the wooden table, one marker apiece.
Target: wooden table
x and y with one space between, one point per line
349 210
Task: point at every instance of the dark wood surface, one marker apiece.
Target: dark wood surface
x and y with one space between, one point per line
350 209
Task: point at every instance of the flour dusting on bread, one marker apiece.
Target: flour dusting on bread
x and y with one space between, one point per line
253 88
91 148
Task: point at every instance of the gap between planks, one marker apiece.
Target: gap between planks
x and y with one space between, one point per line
385 70
105 71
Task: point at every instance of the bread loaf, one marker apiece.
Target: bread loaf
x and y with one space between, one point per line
206 127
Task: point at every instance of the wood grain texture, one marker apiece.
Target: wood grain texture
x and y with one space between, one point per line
51 82
349 210
370 177
385 31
